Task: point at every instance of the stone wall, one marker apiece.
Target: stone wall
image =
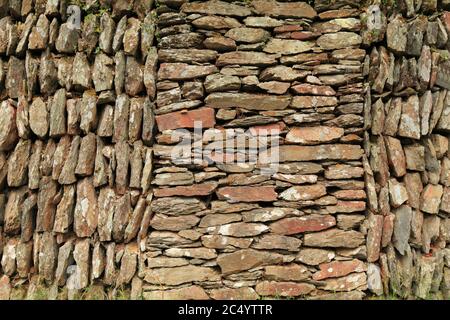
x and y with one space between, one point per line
407 148
94 204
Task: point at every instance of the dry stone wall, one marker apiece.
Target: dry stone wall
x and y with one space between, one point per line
115 182
237 231
408 124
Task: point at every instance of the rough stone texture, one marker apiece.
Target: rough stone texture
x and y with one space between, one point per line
96 191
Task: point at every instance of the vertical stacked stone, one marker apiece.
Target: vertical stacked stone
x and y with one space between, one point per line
230 230
407 150
76 124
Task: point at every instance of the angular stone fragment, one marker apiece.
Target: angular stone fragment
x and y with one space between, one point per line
299 193
180 275
314 135
121 118
65 210
102 73
246 58
38 37
334 238
246 259
48 252
218 82
183 71
134 77
402 227
8 128
38 117
128 264
184 293
397 192
348 283
396 35
81 72
67 41
337 269
48 189
161 222
186 119
248 35
247 194
309 223
283 289
410 119
86 209
339 40
247 101
244 293
309 153
286 47
283 9
18 164
67 175
430 198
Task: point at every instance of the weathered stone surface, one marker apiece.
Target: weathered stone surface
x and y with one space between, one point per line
161 222
339 40
185 293
244 293
219 82
374 237
347 283
283 289
337 269
314 135
180 275
299 193
289 226
248 101
186 119
248 35
86 209
38 117
183 71
246 58
321 152
246 259
283 46
283 9
216 7
402 227
409 126
430 198
396 35
334 238
247 194
8 128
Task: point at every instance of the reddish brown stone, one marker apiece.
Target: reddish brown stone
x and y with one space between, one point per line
283 289
247 194
308 192
430 199
288 28
388 229
187 191
314 135
243 293
374 235
186 119
337 269
307 223
350 194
